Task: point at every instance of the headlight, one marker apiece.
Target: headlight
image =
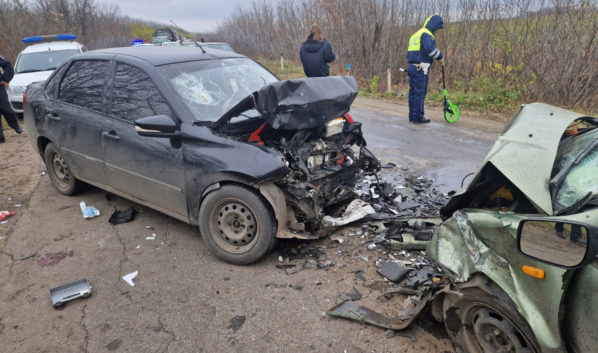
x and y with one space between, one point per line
15 90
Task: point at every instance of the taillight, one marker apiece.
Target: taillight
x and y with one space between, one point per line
349 118
24 99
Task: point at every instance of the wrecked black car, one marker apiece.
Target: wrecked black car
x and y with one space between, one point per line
210 138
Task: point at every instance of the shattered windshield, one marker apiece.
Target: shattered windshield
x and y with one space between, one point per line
583 178
211 88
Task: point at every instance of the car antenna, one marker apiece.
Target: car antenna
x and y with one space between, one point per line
200 47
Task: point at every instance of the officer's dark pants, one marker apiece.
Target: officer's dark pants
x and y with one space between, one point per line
576 231
6 111
418 88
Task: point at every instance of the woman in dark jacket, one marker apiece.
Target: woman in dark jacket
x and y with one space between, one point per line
316 54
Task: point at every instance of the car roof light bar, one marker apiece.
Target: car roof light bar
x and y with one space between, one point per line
50 38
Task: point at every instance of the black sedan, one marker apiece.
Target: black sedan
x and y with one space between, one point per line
210 138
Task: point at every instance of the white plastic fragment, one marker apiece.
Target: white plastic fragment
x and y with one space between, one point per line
150 238
129 278
10 198
89 212
138 246
3 222
18 205
43 173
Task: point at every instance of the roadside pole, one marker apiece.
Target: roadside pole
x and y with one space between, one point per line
388 81
281 62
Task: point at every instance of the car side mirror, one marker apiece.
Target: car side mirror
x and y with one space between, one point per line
562 243
157 126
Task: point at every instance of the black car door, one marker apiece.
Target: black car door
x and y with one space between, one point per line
75 119
150 169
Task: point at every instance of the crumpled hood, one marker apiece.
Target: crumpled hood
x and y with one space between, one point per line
312 46
298 104
525 154
24 80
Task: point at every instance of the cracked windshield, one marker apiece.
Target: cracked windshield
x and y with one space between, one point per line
211 88
583 177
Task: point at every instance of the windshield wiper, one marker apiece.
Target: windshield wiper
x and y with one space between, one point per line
29 70
555 183
50 68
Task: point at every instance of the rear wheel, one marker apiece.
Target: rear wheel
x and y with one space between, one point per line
60 172
237 224
480 322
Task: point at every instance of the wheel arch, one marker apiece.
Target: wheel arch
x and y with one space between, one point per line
42 143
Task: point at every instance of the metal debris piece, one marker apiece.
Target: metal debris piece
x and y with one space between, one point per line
408 334
351 310
352 295
408 243
358 274
28 257
337 238
401 290
364 258
392 271
148 227
390 334
348 218
70 291
371 247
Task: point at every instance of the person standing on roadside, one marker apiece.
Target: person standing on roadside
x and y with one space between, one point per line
316 53
421 54
5 107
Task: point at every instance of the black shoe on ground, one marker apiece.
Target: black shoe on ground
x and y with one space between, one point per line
2 140
19 130
422 121
561 234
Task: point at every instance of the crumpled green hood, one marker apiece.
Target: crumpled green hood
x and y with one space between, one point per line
525 153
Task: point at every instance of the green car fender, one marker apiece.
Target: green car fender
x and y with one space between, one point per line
478 241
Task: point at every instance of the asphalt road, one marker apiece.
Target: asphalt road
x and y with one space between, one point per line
184 298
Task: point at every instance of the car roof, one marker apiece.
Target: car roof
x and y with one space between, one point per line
157 56
36 48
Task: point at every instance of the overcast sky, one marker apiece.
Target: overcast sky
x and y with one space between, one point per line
191 15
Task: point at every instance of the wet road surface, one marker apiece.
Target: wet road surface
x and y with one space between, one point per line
184 298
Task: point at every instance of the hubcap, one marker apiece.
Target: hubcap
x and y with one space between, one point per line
493 332
236 225
60 169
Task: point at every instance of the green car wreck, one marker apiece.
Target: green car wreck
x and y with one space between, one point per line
520 242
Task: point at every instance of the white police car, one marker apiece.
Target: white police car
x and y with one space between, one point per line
38 61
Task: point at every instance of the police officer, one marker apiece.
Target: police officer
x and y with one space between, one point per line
421 54
5 107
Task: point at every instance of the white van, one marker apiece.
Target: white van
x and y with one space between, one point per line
38 61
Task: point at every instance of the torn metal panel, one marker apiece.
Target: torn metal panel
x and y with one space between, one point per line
524 154
353 214
306 103
353 311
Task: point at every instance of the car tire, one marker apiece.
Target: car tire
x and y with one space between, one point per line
238 224
60 173
483 322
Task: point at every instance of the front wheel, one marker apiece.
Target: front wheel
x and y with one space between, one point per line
480 322
237 224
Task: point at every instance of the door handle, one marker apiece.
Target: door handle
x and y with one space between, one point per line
111 135
53 116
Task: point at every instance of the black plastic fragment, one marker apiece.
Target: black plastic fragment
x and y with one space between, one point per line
392 271
120 217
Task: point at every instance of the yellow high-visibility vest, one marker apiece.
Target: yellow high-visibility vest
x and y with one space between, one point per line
415 41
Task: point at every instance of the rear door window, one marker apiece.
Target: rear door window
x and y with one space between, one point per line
52 86
83 84
135 96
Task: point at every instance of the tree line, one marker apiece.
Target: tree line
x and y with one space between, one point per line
536 50
97 26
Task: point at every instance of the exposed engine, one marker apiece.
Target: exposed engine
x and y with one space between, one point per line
325 167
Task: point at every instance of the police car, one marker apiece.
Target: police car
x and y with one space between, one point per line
38 61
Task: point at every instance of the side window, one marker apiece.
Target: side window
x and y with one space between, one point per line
52 86
135 96
83 84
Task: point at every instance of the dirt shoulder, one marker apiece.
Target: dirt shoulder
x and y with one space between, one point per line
20 173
